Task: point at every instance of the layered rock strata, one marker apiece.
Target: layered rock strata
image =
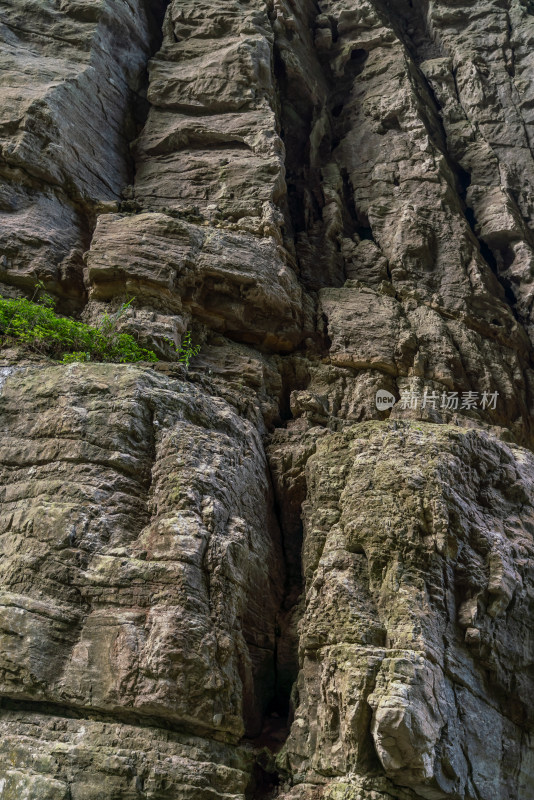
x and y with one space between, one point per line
247 580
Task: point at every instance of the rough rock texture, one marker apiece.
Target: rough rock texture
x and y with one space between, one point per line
413 642
246 581
70 72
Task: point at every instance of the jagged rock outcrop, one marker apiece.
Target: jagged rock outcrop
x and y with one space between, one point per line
412 641
248 580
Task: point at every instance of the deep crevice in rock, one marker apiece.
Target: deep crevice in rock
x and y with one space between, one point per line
296 117
355 222
140 106
318 253
264 780
497 260
278 714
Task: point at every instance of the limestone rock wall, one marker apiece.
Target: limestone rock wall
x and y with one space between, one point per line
246 581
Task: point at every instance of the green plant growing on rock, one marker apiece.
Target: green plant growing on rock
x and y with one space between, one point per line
187 350
109 323
44 299
38 328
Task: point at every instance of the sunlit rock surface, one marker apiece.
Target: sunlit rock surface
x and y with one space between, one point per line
246 581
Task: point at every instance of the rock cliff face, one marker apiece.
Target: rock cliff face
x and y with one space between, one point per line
249 581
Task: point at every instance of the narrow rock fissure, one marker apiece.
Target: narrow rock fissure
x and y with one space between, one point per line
307 132
140 106
278 714
264 780
495 260
295 132
409 21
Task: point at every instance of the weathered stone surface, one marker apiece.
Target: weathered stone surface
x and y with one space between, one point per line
235 283
336 197
418 588
94 760
124 575
70 71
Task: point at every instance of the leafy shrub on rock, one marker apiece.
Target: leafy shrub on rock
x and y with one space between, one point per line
40 329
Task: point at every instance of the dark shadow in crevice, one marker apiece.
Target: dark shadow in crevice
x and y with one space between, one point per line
498 259
354 66
355 222
408 20
297 114
341 86
278 709
293 380
139 105
503 257
326 337
390 123
264 780
337 110
318 254
335 31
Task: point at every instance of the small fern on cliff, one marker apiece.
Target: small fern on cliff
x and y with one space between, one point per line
37 327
